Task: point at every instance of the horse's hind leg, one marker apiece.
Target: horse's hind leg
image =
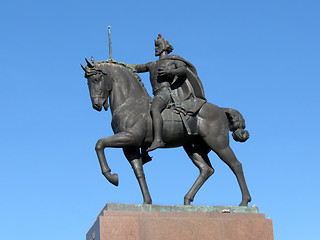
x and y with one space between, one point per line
134 157
227 155
199 157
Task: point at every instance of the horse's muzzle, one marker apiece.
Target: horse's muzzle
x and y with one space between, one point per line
97 103
97 106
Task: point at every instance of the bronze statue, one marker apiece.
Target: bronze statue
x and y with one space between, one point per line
189 120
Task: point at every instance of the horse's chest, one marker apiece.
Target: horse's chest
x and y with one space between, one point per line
120 122
128 115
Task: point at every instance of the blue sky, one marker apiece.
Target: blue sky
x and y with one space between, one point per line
259 57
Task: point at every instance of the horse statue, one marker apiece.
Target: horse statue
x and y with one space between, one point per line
131 122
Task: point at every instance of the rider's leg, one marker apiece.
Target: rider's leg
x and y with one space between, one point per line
158 105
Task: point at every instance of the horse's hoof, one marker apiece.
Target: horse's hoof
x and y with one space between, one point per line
115 179
187 201
245 202
148 202
112 178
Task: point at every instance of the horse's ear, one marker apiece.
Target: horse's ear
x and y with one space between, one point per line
83 67
90 64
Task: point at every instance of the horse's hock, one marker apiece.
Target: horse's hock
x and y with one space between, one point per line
155 222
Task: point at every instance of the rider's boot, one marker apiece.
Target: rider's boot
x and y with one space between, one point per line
156 144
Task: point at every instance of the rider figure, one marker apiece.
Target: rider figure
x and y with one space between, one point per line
163 73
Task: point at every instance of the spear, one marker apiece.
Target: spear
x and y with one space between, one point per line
110 51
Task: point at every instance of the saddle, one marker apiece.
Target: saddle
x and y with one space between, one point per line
182 111
187 107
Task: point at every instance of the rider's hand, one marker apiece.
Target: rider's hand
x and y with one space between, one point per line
163 72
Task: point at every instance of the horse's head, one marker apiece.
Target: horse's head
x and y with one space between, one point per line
99 84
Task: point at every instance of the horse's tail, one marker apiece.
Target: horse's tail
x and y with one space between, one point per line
236 125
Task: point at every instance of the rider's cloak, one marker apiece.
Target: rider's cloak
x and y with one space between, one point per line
189 86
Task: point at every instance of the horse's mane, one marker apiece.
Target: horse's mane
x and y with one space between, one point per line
129 69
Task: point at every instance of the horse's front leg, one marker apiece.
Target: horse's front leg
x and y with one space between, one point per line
118 140
134 157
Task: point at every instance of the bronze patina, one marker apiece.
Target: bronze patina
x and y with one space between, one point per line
178 115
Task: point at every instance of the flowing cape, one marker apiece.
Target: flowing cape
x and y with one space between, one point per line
189 86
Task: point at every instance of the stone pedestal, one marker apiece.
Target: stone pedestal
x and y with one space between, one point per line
155 222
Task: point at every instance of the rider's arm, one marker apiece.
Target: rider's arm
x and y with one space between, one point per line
180 70
139 68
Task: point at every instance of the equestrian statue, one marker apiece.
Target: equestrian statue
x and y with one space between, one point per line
178 115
